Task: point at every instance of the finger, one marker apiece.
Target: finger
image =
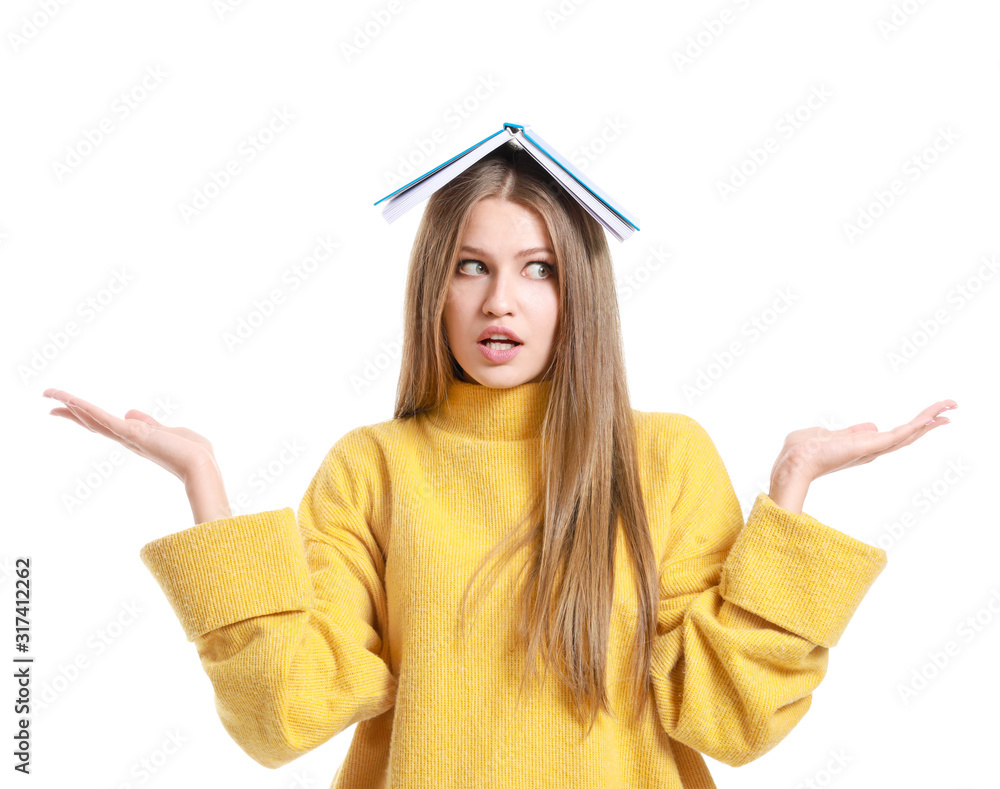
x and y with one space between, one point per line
872 444
913 428
922 430
918 421
96 426
930 417
125 438
148 439
97 418
65 412
869 445
932 411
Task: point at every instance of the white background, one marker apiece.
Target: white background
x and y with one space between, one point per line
604 83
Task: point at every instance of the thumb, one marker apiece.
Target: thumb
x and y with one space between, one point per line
139 415
863 427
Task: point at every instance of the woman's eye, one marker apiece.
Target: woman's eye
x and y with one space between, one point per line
547 267
467 262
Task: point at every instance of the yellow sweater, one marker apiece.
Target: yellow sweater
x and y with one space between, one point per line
347 614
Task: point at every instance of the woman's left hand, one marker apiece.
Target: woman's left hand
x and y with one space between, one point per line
814 451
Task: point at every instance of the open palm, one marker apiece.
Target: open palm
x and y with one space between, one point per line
815 451
179 450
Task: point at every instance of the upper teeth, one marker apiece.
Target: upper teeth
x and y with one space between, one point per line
499 337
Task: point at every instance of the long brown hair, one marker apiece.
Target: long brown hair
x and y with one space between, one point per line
591 478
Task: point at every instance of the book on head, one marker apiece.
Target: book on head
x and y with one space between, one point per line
619 222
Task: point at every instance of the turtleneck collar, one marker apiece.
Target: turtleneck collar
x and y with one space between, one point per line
483 412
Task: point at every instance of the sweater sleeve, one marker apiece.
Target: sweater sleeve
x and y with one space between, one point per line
289 619
747 611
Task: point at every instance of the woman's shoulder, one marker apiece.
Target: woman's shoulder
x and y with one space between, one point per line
371 443
665 432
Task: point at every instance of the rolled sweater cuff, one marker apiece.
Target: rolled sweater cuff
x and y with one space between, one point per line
227 570
799 573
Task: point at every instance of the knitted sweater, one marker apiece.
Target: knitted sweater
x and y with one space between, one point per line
347 614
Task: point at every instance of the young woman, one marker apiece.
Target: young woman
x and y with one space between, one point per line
618 554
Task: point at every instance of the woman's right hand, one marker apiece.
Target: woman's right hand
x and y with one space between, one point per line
184 453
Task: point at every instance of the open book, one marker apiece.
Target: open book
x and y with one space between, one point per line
619 222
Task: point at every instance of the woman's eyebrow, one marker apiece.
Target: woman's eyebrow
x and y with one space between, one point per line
521 254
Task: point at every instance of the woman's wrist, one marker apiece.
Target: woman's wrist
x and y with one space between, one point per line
207 495
788 488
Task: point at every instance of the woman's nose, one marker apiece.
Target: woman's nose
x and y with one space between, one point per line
501 295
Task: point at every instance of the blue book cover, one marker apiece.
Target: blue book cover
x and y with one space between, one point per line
420 178
593 188
514 129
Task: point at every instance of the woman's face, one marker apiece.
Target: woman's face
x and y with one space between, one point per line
505 277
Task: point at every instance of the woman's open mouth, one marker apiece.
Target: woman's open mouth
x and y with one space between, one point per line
499 345
499 350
